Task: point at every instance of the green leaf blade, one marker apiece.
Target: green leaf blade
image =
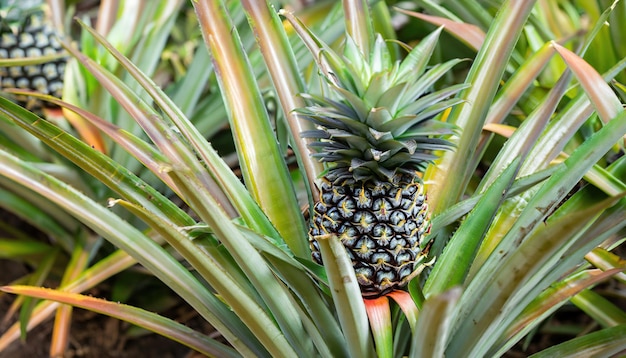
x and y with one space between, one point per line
263 167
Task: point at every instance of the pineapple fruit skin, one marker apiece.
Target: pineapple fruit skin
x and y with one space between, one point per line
33 38
382 225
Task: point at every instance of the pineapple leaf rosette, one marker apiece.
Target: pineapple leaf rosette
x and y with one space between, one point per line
377 128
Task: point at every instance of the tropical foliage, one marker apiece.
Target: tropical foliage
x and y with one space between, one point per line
177 147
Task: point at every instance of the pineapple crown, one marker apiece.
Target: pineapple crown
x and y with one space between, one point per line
377 119
19 13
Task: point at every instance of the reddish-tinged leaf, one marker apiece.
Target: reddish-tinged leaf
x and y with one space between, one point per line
603 98
379 315
407 305
556 295
61 331
469 34
501 129
134 315
63 319
146 154
102 270
87 131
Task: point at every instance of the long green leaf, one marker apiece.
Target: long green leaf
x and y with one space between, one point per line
14 249
599 308
490 303
549 145
98 165
433 325
518 146
228 182
27 61
193 84
263 167
522 140
158 30
37 279
602 343
145 153
283 69
519 82
39 213
448 179
546 304
193 189
232 292
292 272
453 265
561 182
347 297
122 234
158 130
463 207
273 292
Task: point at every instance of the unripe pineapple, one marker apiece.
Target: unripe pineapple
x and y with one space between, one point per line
376 131
25 33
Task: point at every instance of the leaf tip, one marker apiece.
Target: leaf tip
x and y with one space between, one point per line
7 289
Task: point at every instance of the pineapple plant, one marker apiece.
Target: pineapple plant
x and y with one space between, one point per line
26 33
234 253
377 130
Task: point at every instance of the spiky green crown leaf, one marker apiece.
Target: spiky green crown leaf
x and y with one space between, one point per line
378 118
14 14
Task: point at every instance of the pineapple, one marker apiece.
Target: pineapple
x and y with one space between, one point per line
376 132
24 33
